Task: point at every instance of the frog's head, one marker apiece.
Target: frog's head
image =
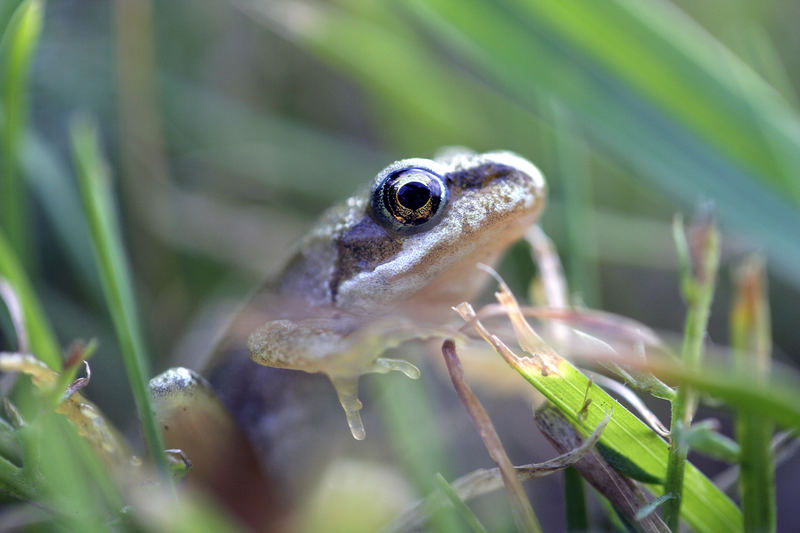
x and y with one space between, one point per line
427 223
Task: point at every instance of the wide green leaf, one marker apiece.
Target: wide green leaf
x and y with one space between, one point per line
652 89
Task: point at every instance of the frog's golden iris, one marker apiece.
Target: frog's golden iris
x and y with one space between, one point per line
409 200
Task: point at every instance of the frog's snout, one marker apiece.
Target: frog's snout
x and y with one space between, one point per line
527 176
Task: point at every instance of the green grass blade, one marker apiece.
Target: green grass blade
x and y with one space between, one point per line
13 482
704 438
776 399
19 40
66 460
16 50
705 508
463 509
115 276
757 474
573 168
406 411
575 501
415 123
751 342
679 69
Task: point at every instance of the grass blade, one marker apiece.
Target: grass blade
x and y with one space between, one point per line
463 509
752 344
415 434
53 189
705 507
720 134
16 50
116 280
573 167
575 502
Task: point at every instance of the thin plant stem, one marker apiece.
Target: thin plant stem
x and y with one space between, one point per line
751 341
524 516
698 275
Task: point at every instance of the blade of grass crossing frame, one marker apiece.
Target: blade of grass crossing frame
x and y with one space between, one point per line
67 461
581 241
16 50
716 96
550 50
115 276
17 45
414 123
705 507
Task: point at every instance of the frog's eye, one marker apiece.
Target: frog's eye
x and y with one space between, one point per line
409 200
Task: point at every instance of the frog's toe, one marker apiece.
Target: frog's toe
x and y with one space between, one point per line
383 365
347 391
179 463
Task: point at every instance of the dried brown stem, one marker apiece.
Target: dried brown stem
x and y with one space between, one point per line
622 492
521 509
484 481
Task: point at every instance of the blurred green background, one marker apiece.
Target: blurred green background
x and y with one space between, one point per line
229 126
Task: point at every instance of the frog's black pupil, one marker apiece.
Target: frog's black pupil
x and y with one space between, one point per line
413 195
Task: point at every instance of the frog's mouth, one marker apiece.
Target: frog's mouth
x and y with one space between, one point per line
494 199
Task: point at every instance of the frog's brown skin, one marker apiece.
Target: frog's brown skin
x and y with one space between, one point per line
355 270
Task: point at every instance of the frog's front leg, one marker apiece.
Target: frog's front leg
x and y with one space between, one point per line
323 345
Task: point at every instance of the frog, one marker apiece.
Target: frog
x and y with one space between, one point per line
380 269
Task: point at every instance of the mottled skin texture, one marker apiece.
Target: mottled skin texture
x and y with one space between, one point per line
352 273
